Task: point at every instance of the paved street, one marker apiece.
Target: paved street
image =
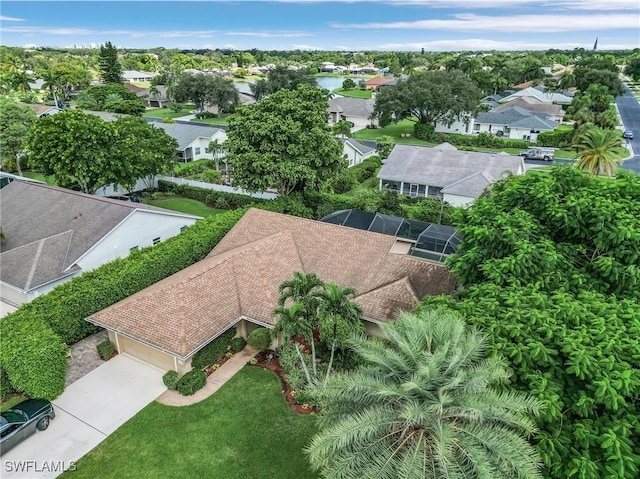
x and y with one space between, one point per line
630 113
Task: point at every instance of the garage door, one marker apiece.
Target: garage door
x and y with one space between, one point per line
146 353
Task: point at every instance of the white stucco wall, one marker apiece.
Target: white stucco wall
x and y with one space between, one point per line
353 156
456 127
457 200
138 229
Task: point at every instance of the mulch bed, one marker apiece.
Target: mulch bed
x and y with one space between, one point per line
269 360
210 369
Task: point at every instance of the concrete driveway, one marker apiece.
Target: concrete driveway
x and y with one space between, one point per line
86 413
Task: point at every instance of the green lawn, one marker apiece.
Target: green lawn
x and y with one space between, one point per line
213 121
185 205
168 112
394 130
245 430
50 180
355 93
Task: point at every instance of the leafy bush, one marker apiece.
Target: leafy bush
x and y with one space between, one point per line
106 349
213 351
168 119
211 176
556 138
205 114
191 382
238 344
291 367
260 339
209 197
193 167
423 131
170 379
32 350
6 389
432 211
482 140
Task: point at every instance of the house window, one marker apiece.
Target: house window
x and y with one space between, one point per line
393 186
476 127
156 240
206 150
135 248
434 192
507 130
197 152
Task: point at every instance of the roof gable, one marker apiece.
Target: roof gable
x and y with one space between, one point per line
186 134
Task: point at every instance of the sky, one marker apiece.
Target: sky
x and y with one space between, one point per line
349 25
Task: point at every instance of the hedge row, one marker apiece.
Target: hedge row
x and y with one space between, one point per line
213 351
216 199
33 352
556 138
483 140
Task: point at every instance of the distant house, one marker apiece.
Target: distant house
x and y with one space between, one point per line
514 123
539 94
357 111
550 110
378 81
156 96
53 234
136 76
236 285
138 90
193 140
44 110
355 152
105 115
444 172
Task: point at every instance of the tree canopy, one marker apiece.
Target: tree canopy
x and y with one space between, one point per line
550 268
429 403
283 142
204 90
281 78
429 98
110 68
596 151
84 152
16 121
111 97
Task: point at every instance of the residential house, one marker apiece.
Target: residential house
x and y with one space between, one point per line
444 172
237 285
54 234
355 152
514 123
193 140
539 94
551 111
378 81
357 111
156 96
135 76
44 110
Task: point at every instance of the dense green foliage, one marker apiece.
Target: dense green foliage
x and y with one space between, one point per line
213 198
106 350
191 382
6 389
260 339
482 140
207 90
111 97
213 351
281 78
427 403
237 344
170 379
556 138
32 349
596 151
110 68
15 124
551 269
283 142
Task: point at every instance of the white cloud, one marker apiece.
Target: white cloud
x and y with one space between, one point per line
306 47
481 44
10 19
470 4
517 23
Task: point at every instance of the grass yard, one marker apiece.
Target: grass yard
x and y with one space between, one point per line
168 112
50 180
185 205
213 121
355 93
245 430
394 130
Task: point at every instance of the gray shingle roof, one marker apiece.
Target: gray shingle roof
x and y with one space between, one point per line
47 229
517 117
350 107
358 146
444 167
533 105
186 134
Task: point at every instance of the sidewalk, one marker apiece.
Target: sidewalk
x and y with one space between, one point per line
214 381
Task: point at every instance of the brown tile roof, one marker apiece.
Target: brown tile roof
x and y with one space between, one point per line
240 278
377 81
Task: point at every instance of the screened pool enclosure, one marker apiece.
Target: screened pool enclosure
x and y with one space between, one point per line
428 240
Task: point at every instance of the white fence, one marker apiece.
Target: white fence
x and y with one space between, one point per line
212 186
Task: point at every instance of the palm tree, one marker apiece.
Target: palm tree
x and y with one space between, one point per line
52 83
595 149
291 322
567 80
427 403
302 289
339 317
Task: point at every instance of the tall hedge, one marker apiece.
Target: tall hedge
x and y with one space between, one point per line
213 351
32 350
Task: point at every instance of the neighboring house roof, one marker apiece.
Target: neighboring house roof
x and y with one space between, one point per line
352 107
133 74
472 186
240 279
159 95
539 95
517 117
533 105
358 146
41 110
378 80
47 229
134 88
105 115
443 167
186 134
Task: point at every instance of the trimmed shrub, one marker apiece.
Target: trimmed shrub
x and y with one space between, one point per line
238 344
423 131
481 140
556 138
106 349
170 379
260 339
6 389
209 197
211 176
191 382
32 350
213 351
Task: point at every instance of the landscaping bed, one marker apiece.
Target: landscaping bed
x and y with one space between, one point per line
268 359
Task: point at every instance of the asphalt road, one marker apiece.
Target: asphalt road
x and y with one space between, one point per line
629 109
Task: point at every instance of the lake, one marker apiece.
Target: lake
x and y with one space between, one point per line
330 83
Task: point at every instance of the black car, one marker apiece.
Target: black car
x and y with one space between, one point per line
22 420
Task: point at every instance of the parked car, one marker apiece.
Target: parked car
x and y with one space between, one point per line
628 135
22 420
545 154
